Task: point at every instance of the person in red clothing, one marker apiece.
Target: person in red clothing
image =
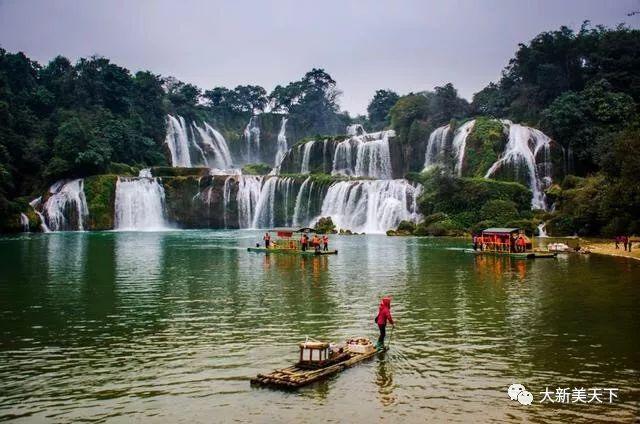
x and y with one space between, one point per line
384 316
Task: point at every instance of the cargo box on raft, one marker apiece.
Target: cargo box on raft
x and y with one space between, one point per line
318 360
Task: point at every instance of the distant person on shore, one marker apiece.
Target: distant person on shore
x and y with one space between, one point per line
325 242
617 239
384 316
303 241
625 241
629 243
267 240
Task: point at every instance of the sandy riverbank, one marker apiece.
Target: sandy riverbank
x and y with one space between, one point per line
609 248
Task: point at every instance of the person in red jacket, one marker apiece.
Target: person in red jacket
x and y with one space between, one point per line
384 316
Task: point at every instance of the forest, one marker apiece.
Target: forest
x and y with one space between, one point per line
582 88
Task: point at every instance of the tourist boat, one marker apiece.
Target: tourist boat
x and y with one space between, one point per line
285 242
318 360
504 242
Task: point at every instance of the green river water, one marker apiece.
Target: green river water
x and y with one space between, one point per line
170 327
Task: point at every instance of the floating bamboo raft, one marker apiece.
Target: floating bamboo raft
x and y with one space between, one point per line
310 252
295 377
517 255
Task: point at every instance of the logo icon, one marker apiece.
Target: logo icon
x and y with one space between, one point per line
519 392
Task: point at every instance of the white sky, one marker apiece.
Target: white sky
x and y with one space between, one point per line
365 45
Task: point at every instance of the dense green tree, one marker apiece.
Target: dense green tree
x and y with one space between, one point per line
379 108
579 120
312 102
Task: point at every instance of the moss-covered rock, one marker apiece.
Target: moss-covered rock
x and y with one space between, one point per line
170 171
100 192
484 144
123 170
256 169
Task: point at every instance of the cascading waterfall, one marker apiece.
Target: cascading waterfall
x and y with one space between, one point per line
371 206
372 156
226 196
436 146
24 222
436 152
177 140
139 203
248 196
306 156
355 129
215 143
460 144
35 203
264 216
252 136
206 143
298 204
66 208
522 148
282 143
542 232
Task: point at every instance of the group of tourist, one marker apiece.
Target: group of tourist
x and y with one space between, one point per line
518 243
316 242
625 241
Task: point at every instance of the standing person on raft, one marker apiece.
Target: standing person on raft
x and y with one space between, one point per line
384 315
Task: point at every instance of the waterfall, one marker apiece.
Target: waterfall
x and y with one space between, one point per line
247 198
226 196
181 140
460 144
139 203
436 150
298 204
215 143
355 129
541 230
522 148
66 208
306 156
24 222
264 213
282 143
372 156
435 146
252 135
371 206
35 203
177 140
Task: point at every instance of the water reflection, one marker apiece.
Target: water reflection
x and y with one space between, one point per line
156 325
384 381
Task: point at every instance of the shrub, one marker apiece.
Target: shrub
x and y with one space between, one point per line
325 225
256 169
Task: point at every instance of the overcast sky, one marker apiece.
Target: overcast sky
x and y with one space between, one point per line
365 45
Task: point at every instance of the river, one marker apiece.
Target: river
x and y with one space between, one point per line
170 326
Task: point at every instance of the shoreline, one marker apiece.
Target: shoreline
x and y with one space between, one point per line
608 248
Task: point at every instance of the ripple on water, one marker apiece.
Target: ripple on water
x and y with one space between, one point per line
170 326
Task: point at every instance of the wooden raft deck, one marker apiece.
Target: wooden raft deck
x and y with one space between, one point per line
294 377
310 252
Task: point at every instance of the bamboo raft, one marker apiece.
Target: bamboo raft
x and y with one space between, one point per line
517 255
310 252
299 375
